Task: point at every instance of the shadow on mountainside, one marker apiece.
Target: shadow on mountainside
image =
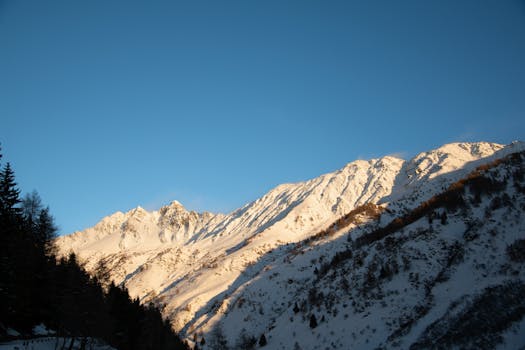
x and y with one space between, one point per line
289 252
406 180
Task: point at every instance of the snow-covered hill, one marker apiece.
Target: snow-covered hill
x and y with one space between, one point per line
267 267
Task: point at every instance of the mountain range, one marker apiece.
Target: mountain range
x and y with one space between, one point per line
382 253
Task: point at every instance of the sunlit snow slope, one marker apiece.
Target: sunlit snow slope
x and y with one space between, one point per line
193 264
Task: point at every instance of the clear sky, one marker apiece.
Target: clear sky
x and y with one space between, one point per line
110 104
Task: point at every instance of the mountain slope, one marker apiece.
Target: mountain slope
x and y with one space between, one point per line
449 275
197 265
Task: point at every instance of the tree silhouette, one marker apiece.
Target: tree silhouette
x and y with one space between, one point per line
313 321
262 340
31 206
9 193
36 288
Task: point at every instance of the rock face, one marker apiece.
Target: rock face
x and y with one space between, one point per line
266 268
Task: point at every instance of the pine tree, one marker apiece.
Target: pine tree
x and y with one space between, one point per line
102 274
9 193
6 271
45 231
262 340
38 222
444 218
13 243
313 321
35 289
296 308
218 340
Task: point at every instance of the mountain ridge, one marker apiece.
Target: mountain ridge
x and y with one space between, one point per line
185 261
480 149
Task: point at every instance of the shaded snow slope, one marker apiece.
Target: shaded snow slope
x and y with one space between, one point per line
53 343
192 263
452 278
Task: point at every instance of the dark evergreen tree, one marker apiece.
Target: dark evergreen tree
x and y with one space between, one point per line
262 340
444 218
15 268
9 192
218 340
103 275
296 308
45 231
313 321
36 288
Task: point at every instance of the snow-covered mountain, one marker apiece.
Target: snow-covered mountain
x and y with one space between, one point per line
283 266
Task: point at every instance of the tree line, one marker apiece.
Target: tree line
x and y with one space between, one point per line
38 288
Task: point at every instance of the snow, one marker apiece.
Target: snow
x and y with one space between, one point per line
13 333
247 268
42 330
50 343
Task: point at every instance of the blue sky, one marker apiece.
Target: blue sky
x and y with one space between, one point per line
107 105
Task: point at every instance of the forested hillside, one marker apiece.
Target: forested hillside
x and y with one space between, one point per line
36 288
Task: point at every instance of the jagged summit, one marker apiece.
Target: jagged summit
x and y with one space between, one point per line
196 264
451 156
290 211
315 201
